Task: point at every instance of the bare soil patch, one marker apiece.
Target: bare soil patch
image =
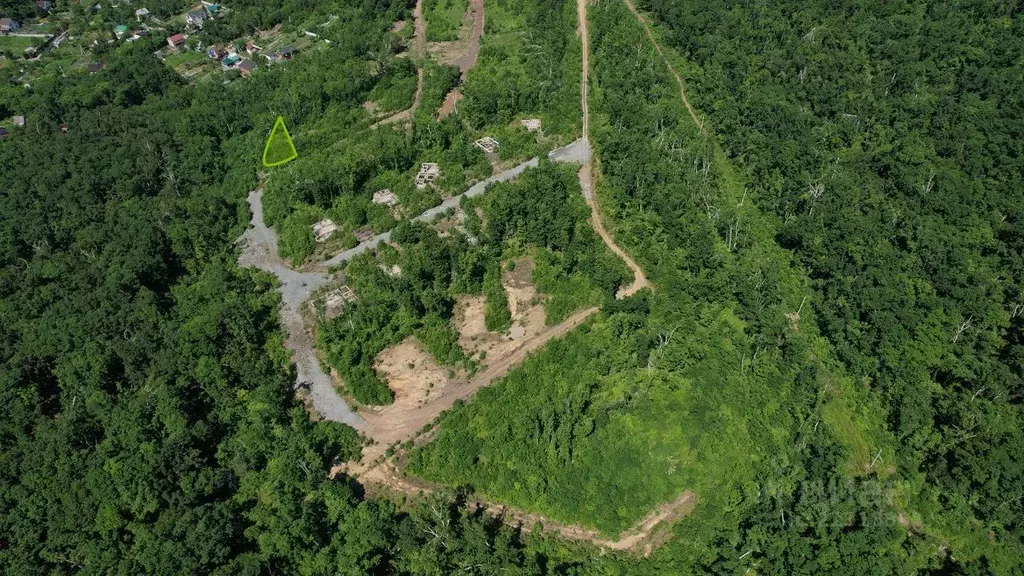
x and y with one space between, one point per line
448 106
417 380
527 317
463 52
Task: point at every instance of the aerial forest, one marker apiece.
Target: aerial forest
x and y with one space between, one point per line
828 201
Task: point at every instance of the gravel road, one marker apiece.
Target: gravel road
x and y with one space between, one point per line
259 250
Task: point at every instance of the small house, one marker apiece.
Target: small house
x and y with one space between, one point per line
429 171
323 229
216 53
251 48
120 30
141 14
176 41
212 8
335 300
195 18
287 53
531 124
487 144
7 25
3 132
230 60
246 67
385 197
19 121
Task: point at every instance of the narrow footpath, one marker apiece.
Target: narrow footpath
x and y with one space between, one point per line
657 46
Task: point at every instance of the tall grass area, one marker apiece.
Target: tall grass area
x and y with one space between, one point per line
444 17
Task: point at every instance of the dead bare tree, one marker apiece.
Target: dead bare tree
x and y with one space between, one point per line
927 186
816 190
963 328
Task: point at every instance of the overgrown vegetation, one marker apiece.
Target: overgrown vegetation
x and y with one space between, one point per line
433 270
721 382
831 360
885 140
147 417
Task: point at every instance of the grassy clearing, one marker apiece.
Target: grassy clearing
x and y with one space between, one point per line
444 18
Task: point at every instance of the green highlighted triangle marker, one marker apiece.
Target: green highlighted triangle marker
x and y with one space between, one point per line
279 149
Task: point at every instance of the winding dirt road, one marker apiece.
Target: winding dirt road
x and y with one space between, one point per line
586 172
644 536
657 46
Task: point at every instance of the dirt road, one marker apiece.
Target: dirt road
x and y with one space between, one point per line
475 11
657 46
419 52
644 536
586 172
419 38
385 429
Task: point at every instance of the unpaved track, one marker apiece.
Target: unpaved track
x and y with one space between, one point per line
419 39
419 51
586 172
657 46
467 61
407 114
386 430
639 538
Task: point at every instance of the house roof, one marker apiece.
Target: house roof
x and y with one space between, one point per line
177 39
196 15
247 65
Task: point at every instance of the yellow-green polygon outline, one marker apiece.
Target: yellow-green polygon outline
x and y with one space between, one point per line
279 149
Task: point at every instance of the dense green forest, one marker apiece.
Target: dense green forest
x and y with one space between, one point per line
886 140
831 359
147 417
